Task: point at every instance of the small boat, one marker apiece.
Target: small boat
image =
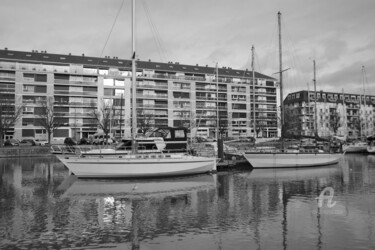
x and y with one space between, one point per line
355 147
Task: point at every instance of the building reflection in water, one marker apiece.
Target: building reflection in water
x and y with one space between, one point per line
41 205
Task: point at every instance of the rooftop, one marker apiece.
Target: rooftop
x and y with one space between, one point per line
114 62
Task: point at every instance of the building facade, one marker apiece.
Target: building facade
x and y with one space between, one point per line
168 94
340 114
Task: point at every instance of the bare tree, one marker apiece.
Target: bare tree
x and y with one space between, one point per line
9 115
334 121
356 126
292 124
47 117
146 120
102 115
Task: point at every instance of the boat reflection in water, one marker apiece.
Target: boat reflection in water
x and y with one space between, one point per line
292 174
129 207
137 188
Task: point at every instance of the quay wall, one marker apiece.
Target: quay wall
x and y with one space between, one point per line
24 151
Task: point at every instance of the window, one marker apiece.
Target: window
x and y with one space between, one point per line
28 110
28 88
119 92
119 83
61 77
40 78
109 92
108 82
28 133
40 89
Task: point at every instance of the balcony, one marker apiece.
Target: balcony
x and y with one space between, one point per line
181 107
167 76
204 107
206 98
7 90
207 88
151 106
7 77
153 96
152 86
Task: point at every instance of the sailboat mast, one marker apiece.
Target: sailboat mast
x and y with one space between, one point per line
134 91
316 111
345 123
253 81
217 102
364 101
281 79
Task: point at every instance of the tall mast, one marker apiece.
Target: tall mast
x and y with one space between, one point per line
281 80
316 111
253 81
364 100
345 122
217 102
122 97
134 91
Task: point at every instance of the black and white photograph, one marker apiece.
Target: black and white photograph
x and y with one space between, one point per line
201 124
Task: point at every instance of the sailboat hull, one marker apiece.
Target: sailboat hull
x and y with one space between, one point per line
137 166
291 160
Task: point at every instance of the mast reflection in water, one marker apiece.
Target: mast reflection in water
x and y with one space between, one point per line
43 207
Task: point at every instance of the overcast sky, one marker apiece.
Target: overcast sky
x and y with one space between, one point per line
338 34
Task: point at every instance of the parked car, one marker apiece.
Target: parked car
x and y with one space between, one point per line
247 139
11 143
70 141
102 139
41 142
28 142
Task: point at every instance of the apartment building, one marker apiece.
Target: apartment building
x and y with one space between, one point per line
341 114
169 94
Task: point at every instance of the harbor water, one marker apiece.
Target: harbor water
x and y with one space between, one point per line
42 206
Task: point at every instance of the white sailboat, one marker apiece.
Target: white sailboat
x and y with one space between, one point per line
281 159
136 165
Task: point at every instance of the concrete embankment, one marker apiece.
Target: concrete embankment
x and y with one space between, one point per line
24 151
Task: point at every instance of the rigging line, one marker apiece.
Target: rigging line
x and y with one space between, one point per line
162 52
257 62
110 32
246 69
365 83
295 62
158 46
271 50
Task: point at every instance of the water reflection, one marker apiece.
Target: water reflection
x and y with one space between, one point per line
42 206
